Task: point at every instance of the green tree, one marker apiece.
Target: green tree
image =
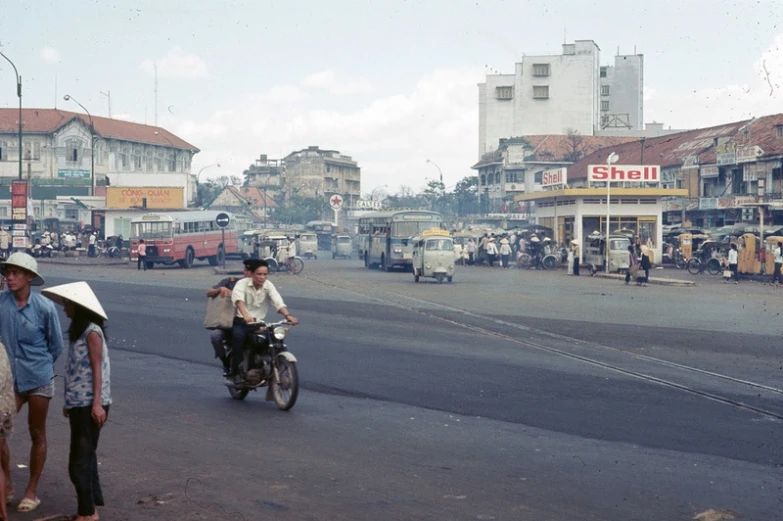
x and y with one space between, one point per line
296 209
466 196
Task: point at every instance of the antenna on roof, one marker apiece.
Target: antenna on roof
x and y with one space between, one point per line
156 94
565 40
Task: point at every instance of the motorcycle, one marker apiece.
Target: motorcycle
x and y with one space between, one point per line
266 362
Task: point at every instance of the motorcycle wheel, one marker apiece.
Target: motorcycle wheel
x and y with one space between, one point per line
238 394
286 389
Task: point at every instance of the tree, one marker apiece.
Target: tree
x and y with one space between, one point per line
296 209
405 198
466 196
574 141
207 191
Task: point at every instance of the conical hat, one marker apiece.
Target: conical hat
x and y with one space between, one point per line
77 292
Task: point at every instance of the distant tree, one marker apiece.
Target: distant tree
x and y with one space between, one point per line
466 196
574 141
207 191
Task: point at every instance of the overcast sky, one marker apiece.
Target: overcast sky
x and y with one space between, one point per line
390 83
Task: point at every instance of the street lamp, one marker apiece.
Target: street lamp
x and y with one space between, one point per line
372 194
92 143
609 162
198 193
19 94
439 170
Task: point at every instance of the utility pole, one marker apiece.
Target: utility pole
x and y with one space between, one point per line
108 95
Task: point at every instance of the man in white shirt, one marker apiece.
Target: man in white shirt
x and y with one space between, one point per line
291 255
91 249
251 297
776 275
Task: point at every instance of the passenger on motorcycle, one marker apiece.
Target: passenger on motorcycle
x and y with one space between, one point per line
251 297
220 336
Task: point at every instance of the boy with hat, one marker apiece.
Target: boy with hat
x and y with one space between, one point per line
30 330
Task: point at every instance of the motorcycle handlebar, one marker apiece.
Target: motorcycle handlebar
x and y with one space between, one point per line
270 324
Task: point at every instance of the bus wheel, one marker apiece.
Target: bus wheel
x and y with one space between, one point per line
216 260
187 262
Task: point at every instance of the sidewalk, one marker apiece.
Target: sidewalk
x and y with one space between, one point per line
652 280
83 261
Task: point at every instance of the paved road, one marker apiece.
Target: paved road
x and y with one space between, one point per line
506 395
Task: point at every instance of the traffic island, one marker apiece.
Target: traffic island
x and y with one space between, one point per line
652 280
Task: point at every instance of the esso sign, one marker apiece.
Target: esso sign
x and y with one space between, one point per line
625 173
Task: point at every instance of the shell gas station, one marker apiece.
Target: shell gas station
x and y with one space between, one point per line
636 203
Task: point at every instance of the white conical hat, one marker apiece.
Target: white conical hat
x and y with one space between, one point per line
78 293
24 261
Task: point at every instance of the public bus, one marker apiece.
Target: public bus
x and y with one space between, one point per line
324 231
384 237
182 237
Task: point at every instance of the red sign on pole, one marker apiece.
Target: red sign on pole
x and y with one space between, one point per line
19 201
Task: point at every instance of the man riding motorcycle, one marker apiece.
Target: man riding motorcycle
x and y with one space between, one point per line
251 297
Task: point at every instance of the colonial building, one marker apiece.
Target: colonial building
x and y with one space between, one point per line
251 201
64 154
313 172
266 174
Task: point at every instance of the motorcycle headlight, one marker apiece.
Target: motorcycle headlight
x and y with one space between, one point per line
279 332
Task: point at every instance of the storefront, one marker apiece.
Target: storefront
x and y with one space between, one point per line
574 213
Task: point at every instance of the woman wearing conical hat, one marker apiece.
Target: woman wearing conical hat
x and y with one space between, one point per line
87 390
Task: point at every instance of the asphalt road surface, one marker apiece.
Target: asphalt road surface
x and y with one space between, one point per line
505 395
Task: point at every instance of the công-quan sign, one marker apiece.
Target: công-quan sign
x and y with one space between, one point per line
624 173
554 177
151 197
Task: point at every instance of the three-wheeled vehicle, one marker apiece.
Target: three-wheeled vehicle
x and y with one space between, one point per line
594 252
433 255
342 245
307 245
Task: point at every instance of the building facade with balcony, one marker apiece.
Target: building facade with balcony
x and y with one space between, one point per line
316 173
58 149
551 94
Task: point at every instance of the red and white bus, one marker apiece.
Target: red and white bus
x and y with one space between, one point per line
182 237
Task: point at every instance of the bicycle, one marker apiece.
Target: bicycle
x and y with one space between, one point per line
275 266
679 260
712 266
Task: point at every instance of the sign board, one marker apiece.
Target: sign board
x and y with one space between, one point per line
748 154
515 154
368 205
727 158
222 220
72 173
554 177
156 198
20 226
19 233
709 171
336 201
725 203
20 242
19 201
624 173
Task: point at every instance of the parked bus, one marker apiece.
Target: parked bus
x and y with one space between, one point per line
182 237
324 230
385 236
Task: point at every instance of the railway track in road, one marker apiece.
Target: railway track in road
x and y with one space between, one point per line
414 305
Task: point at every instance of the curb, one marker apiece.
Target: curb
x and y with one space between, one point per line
81 262
651 280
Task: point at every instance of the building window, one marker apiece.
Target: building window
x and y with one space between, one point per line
603 72
605 106
137 161
172 162
2 150
149 161
540 69
537 177
506 92
779 131
36 151
604 90
74 156
541 91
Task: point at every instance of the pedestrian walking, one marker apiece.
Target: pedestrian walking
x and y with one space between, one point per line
142 250
471 251
734 263
492 252
645 263
577 260
91 245
633 266
30 330
776 275
87 390
505 253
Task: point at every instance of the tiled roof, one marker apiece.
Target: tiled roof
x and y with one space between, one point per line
554 147
254 195
671 150
47 121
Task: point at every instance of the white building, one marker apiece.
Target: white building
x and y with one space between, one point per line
552 94
57 158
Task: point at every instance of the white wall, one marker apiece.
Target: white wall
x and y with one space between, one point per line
626 96
496 117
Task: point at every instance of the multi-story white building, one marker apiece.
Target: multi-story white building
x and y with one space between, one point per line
552 94
313 172
60 160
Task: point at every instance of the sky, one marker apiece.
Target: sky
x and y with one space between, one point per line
391 83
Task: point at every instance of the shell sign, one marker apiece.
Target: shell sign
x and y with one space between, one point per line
151 197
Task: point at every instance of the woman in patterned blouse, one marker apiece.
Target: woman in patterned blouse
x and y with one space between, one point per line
87 390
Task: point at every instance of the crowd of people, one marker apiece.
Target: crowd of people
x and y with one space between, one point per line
524 250
31 340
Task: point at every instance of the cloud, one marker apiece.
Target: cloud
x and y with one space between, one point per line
714 105
391 137
329 81
176 64
50 55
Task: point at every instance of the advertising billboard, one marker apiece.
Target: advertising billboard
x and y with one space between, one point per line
152 197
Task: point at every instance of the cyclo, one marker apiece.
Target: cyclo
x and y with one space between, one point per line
433 255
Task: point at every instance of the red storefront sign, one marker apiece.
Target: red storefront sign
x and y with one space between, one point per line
19 201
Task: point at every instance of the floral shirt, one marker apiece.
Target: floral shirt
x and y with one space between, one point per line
78 372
